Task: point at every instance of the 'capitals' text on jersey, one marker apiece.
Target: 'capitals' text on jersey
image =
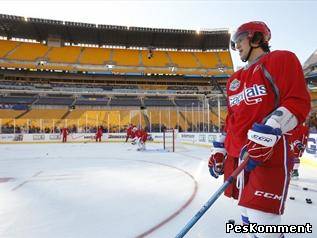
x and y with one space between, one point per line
249 95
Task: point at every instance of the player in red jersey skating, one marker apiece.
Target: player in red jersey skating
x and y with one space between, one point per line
99 134
130 132
64 133
298 142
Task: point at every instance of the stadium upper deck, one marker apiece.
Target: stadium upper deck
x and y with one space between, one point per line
71 46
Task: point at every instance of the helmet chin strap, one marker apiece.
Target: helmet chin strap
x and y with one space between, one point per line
250 51
248 56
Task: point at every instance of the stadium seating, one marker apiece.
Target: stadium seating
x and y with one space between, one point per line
45 114
126 57
54 101
30 55
225 58
95 56
112 112
207 59
92 101
187 102
159 59
7 46
115 119
68 54
158 101
183 59
8 114
29 51
16 100
125 101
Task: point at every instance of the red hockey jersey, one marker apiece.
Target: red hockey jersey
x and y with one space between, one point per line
64 131
130 132
251 96
142 134
99 132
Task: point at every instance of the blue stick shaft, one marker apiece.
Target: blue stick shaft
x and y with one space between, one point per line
213 198
202 211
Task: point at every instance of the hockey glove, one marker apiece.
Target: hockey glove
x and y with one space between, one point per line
298 148
251 165
261 140
215 164
217 158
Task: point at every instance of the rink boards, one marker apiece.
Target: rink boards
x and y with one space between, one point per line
310 155
199 138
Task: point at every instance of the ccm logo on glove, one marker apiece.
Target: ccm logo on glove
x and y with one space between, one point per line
261 138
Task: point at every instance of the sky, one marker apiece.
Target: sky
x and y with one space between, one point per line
292 23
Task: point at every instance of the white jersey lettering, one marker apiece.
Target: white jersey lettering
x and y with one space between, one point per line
251 95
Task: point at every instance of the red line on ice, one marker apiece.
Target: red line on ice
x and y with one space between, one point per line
178 211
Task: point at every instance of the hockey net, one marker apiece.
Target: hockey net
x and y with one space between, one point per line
169 139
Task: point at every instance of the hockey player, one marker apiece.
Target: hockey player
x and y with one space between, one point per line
298 143
99 134
144 136
133 136
64 133
266 99
130 133
141 136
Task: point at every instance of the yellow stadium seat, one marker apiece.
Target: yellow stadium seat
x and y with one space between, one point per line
183 59
45 114
7 46
159 59
207 59
160 62
94 56
225 58
6 113
67 54
126 57
29 51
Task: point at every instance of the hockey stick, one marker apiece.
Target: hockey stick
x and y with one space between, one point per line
245 157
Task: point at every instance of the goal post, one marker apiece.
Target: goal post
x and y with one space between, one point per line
169 138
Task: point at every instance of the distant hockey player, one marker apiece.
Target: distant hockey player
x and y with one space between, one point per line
144 138
99 134
141 135
266 99
130 133
133 136
64 133
298 142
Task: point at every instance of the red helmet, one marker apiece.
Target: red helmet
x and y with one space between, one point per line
248 29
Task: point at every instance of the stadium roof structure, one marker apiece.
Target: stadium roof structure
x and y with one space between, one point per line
85 33
310 70
310 64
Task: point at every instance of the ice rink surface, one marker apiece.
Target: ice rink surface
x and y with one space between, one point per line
110 190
